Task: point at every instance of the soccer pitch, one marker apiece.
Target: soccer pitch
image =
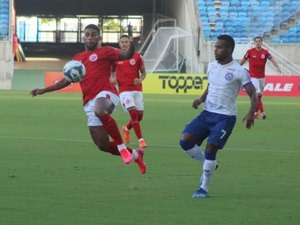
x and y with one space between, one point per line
52 174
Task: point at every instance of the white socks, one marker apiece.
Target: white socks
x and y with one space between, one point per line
209 167
196 153
134 153
121 147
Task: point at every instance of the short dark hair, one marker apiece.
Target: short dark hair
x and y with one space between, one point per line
125 36
93 26
258 37
228 39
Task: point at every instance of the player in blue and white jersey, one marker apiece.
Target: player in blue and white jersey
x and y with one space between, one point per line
216 122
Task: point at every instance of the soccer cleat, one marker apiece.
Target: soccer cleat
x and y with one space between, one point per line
126 156
263 115
142 143
140 162
200 193
126 134
256 116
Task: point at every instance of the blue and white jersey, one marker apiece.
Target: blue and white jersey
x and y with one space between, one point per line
225 82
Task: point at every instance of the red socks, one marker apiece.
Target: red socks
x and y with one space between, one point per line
134 115
140 117
260 106
111 128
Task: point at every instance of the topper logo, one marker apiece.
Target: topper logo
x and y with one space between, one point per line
183 83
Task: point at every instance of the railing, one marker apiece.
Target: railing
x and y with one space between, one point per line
286 65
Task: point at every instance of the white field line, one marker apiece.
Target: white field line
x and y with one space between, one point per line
19 138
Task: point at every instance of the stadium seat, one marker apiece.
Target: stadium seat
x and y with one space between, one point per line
209 4
244 17
230 29
254 3
265 4
219 27
201 4
276 40
245 4
206 33
235 3
225 4
202 11
223 14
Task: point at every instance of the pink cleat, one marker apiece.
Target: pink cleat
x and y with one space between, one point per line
140 162
126 156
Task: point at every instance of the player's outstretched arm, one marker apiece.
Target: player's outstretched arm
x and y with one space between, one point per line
242 62
57 86
274 62
249 118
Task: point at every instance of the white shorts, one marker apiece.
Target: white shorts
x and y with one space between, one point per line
89 107
132 99
259 84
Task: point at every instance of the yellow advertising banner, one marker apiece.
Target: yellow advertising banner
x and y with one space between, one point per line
183 84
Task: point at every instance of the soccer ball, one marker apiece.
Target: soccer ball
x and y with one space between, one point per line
74 71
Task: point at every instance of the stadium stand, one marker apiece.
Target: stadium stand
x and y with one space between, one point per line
275 20
291 36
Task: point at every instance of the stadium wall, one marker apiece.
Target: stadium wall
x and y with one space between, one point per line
290 51
6 44
192 84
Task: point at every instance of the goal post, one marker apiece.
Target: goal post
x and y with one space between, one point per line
171 50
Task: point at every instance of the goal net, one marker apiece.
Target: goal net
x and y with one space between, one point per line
171 50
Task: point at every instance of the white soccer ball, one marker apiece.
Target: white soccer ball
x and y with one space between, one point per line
74 71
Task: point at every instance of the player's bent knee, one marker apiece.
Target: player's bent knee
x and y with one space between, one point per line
186 145
102 147
100 113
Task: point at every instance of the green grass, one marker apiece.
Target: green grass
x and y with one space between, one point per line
52 174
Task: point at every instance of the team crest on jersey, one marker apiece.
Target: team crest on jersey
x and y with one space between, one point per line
228 76
93 57
132 61
263 56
